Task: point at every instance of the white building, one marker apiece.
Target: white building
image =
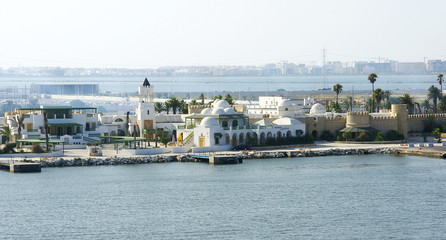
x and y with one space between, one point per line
277 107
221 125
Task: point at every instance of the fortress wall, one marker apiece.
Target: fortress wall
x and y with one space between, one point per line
384 124
415 121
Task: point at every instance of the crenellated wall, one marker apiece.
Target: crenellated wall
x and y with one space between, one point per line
416 121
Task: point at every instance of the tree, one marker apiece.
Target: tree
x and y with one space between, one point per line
6 131
372 79
437 134
386 95
183 107
193 102
159 107
229 99
202 98
347 135
408 100
19 118
337 88
426 106
379 95
175 104
440 80
218 97
434 94
167 107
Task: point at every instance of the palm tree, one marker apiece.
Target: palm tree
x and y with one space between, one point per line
229 99
175 104
167 107
19 118
202 98
6 131
440 81
434 94
159 107
372 79
426 106
127 124
408 100
47 129
337 88
386 95
379 95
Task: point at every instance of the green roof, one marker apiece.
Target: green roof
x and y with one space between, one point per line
39 141
64 124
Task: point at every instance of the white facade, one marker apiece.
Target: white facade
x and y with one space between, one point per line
226 128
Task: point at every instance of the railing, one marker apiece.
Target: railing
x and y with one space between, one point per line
186 140
187 127
90 114
32 130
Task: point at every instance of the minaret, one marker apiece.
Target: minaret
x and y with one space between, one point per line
146 110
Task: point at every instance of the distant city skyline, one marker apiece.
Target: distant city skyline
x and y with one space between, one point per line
151 34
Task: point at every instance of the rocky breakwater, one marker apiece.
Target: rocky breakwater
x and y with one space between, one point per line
317 153
61 162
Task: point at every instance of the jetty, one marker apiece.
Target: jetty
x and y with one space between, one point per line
217 159
19 166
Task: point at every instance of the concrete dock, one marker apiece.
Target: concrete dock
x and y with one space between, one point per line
217 159
18 166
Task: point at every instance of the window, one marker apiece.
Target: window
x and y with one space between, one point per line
148 112
217 141
119 120
234 123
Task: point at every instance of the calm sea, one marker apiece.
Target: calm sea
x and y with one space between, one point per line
235 84
339 197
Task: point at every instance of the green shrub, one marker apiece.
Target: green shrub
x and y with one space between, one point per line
379 137
37 148
393 135
9 148
327 136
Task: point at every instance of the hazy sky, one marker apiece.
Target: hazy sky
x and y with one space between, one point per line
210 32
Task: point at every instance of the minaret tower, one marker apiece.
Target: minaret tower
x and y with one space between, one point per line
146 110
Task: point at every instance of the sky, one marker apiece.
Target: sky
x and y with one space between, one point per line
148 34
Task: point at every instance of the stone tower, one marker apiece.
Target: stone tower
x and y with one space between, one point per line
400 112
145 111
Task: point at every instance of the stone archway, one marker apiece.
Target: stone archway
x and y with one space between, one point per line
288 133
227 139
262 138
269 135
241 138
279 135
234 139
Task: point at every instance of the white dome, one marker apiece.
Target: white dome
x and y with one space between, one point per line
206 111
317 109
285 103
215 102
229 111
287 121
219 111
208 122
221 104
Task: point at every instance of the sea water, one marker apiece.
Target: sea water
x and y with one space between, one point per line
336 197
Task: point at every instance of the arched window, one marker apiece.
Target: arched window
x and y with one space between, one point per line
119 120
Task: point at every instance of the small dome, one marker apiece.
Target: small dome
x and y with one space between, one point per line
215 102
229 111
285 103
219 111
221 104
209 122
317 109
206 111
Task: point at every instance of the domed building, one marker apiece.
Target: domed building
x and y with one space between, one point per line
221 128
318 109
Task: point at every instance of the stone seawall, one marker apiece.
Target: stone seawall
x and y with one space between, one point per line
61 162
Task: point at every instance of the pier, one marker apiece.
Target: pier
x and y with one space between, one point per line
217 159
18 166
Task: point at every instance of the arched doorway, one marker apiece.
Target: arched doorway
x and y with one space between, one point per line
288 134
279 135
227 139
241 138
262 138
314 134
234 140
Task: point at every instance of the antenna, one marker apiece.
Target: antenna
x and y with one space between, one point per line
323 66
